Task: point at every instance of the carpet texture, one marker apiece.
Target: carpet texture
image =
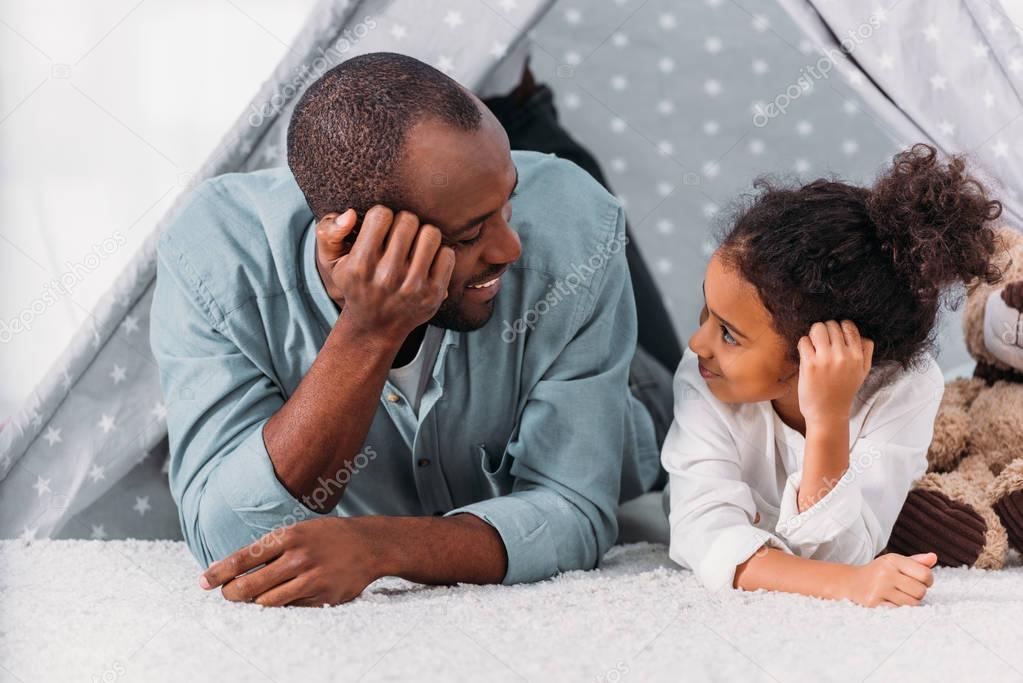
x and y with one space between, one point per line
131 611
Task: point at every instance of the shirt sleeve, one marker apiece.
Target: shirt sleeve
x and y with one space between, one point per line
218 402
852 523
712 510
568 449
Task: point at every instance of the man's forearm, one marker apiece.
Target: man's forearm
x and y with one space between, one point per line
321 428
439 550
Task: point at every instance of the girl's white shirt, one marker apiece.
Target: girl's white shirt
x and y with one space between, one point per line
735 470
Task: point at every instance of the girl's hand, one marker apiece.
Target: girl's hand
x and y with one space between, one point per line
891 580
833 362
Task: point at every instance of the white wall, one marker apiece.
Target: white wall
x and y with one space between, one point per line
105 108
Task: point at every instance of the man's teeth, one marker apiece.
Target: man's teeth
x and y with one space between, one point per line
489 283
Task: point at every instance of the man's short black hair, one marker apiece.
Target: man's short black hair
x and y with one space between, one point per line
346 135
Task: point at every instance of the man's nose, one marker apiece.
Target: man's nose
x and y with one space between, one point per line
505 247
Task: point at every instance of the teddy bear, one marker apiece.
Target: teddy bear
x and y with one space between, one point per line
968 507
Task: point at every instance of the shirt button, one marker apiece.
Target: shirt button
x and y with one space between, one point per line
423 462
393 398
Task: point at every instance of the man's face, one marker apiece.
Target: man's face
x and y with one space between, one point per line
462 182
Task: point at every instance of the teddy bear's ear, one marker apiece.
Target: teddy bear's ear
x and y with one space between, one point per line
1008 259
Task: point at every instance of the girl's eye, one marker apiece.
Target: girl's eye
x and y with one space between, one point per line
727 336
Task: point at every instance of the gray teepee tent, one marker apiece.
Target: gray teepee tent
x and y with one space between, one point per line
99 415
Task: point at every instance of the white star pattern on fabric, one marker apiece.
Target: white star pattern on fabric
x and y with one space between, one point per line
96 473
497 50
508 5
130 324
98 532
106 423
118 374
142 505
41 486
453 19
667 21
932 33
29 534
159 411
938 82
52 436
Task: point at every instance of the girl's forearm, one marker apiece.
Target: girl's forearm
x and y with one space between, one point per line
776 570
825 460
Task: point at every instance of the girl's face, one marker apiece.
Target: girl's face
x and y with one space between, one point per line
742 358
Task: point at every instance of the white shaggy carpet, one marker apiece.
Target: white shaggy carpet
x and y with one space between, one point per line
131 610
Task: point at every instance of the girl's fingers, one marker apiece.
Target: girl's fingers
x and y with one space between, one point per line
928 559
835 335
900 599
915 570
911 587
806 350
851 334
868 354
819 336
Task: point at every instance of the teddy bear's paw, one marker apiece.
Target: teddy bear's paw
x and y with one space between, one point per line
1007 495
930 521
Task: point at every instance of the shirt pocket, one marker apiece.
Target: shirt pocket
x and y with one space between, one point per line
495 477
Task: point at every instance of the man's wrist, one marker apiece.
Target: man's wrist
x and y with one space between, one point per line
355 338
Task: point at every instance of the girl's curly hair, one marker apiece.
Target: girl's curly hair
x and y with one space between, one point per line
885 258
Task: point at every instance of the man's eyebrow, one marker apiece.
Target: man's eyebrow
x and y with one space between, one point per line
724 322
479 219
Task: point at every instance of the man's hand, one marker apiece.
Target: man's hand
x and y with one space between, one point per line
311 563
395 276
833 362
891 580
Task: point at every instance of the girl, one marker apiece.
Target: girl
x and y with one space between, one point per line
805 404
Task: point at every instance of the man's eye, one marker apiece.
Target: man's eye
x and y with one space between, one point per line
472 240
727 336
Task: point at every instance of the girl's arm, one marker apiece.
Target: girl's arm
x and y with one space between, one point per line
891 580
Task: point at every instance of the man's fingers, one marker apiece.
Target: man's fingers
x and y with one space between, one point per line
237 563
247 587
443 266
427 242
283 594
375 226
330 234
399 241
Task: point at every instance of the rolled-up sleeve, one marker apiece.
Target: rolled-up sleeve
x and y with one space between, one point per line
852 523
574 428
217 402
712 510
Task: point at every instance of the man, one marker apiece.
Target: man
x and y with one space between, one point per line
408 356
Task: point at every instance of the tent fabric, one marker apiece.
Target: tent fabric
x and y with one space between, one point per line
99 411
955 82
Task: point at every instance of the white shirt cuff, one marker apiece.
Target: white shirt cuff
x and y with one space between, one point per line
732 547
827 519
